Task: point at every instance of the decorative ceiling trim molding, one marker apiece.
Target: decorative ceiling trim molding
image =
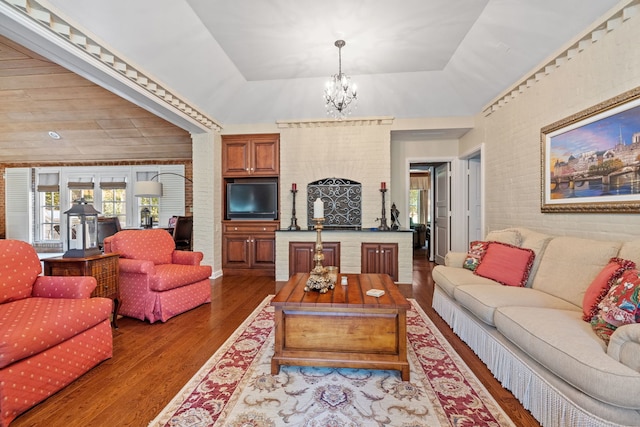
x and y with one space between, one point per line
619 17
322 123
73 36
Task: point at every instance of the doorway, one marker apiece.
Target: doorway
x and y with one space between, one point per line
455 203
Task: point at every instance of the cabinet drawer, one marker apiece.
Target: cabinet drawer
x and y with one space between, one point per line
251 228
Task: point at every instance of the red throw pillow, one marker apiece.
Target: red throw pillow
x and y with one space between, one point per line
475 254
506 264
619 307
601 285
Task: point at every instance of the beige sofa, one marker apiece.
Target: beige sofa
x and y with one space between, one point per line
533 338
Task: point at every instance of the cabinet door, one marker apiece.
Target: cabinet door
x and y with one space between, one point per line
264 251
388 261
235 251
251 155
370 258
301 256
380 258
236 158
266 156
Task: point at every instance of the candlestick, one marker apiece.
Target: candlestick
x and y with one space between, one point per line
294 220
319 279
383 220
318 208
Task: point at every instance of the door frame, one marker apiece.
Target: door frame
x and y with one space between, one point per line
456 182
473 153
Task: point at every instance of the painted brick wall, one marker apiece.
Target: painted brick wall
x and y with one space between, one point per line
338 150
511 134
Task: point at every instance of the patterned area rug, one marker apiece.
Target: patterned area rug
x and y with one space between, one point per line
235 387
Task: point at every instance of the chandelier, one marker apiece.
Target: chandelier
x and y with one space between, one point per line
340 93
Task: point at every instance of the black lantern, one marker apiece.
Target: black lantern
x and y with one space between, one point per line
146 219
82 230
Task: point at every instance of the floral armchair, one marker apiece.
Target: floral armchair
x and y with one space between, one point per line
157 282
51 331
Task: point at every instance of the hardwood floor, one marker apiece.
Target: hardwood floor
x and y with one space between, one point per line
152 362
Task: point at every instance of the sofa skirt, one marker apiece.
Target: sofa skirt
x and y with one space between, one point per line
550 400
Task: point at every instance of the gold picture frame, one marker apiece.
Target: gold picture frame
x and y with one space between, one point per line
591 160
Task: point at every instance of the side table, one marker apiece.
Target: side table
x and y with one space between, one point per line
103 267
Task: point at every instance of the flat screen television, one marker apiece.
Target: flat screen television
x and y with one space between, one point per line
252 200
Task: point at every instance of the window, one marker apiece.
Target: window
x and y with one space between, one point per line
108 188
414 206
113 194
48 196
49 228
150 203
114 203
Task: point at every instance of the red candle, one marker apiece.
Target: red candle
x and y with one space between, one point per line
383 185
294 186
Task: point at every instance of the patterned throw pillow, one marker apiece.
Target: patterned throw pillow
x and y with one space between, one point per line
620 305
474 256
506 264
601 285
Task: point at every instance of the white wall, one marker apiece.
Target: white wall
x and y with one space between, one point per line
603 70
403 153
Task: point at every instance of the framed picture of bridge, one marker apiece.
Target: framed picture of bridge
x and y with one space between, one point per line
591 160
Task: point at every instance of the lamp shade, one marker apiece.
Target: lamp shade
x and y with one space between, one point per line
147 189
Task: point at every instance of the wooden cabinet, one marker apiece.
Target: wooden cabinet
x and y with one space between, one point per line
249 247
251 155
380 258
104 268
301 256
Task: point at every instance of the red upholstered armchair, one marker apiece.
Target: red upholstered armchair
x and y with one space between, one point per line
156 281
51 331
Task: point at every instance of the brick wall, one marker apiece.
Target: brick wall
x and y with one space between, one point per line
511 133
360 151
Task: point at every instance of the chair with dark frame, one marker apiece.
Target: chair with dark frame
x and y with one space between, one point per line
107 226
182 232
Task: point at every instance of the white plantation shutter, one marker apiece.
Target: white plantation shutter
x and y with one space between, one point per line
17 203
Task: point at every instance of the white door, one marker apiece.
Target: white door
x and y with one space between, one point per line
441 238
474 209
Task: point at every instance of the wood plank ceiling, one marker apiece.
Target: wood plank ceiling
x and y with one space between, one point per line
38 96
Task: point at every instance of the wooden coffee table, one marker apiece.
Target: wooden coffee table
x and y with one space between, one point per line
343 328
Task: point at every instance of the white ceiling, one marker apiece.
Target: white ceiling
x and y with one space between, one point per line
256 61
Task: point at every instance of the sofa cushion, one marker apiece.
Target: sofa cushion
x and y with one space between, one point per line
448 278
631 251
510 236
483 300
506 264
620 305
32 325
171 276
156 245
569 265
476 251
19 267
572 352
537 242
601 284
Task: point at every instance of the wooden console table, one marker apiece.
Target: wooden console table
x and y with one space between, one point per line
103 267
342 328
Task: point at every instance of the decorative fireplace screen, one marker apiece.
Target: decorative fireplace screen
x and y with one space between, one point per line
342 203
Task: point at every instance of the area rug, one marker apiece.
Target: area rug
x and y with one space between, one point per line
235 387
